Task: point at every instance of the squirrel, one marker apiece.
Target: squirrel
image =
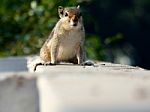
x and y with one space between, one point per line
66 41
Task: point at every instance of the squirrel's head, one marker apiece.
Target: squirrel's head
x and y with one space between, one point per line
71 16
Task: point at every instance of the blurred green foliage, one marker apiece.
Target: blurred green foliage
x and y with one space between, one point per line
25 25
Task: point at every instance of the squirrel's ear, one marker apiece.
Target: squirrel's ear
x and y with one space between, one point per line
78 7
60 11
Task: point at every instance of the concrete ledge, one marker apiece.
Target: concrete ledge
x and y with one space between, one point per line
68 88
107 87
87 92
18 93
13 64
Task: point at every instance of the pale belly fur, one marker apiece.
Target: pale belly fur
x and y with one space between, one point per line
68 47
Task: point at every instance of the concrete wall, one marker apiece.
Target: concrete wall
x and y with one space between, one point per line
68 88
12 64
18 93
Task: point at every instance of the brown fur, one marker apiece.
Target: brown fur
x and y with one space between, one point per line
66 41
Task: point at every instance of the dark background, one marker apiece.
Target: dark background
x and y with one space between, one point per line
116 30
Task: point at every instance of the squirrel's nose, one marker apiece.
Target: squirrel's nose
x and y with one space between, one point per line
75 24
74 18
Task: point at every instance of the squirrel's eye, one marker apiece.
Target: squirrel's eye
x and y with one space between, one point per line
66 14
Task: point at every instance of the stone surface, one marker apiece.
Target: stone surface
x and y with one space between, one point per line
65 87
18 93
94 89
13 64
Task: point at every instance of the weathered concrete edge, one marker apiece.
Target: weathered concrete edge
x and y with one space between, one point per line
18 92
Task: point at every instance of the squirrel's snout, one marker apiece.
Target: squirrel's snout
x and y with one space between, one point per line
72 23
75 24
74 20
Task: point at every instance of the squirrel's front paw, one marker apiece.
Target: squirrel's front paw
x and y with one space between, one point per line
49 63
53 63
